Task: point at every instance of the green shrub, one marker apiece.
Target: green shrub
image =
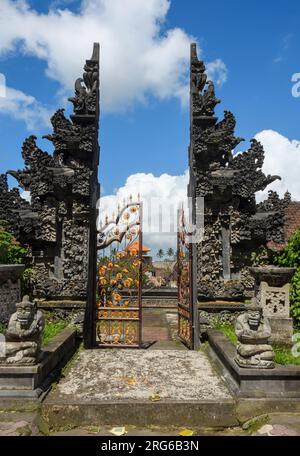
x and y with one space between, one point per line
290 257
11 252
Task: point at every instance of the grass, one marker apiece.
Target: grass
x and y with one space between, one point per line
51 330
284 355
228 330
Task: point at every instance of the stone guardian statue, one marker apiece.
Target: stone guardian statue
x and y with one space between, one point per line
253 331
23 335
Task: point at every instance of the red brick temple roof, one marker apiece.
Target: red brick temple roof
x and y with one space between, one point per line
135 246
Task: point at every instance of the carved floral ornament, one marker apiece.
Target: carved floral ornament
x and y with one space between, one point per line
126 224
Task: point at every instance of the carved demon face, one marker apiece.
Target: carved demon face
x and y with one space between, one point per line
25 315
254 318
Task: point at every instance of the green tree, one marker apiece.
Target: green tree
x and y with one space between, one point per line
170 252
160 253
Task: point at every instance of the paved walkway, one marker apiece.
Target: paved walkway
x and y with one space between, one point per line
140 374
160 328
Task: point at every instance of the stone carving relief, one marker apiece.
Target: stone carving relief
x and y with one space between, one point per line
63 186
234 225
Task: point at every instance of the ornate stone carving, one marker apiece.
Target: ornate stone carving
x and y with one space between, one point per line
272 293
59 224
253 331
23 335
85 100
234 225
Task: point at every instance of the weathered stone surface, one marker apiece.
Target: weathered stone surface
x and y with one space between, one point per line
253 331
23 335
30 381
10 290
272 293
132 374
117 387
59 223
234 225
282 382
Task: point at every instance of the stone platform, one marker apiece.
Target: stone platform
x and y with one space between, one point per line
140 387
22 382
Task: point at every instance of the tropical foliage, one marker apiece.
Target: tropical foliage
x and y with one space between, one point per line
160 253
11 252
290 257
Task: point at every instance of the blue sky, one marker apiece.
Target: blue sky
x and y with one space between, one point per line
257 41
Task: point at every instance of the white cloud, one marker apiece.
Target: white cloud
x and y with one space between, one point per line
217 71
26 196
24 107
166 192
282 157
160 195
139 56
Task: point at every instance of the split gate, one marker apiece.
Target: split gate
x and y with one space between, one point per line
118 313
187 292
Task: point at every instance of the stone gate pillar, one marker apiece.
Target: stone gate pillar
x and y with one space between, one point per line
59 224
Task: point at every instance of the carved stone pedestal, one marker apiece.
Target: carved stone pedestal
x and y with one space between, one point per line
272 293
10 291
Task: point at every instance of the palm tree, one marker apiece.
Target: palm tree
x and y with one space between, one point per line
170 252
160 253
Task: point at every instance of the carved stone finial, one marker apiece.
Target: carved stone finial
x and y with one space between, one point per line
86 99
203 102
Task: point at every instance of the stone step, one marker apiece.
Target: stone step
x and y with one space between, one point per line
206 413
141 388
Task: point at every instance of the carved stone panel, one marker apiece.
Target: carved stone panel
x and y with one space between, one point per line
275 300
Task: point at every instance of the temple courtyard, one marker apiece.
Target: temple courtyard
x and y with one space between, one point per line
97 339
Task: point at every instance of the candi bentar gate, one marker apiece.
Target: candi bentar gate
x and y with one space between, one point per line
59 224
